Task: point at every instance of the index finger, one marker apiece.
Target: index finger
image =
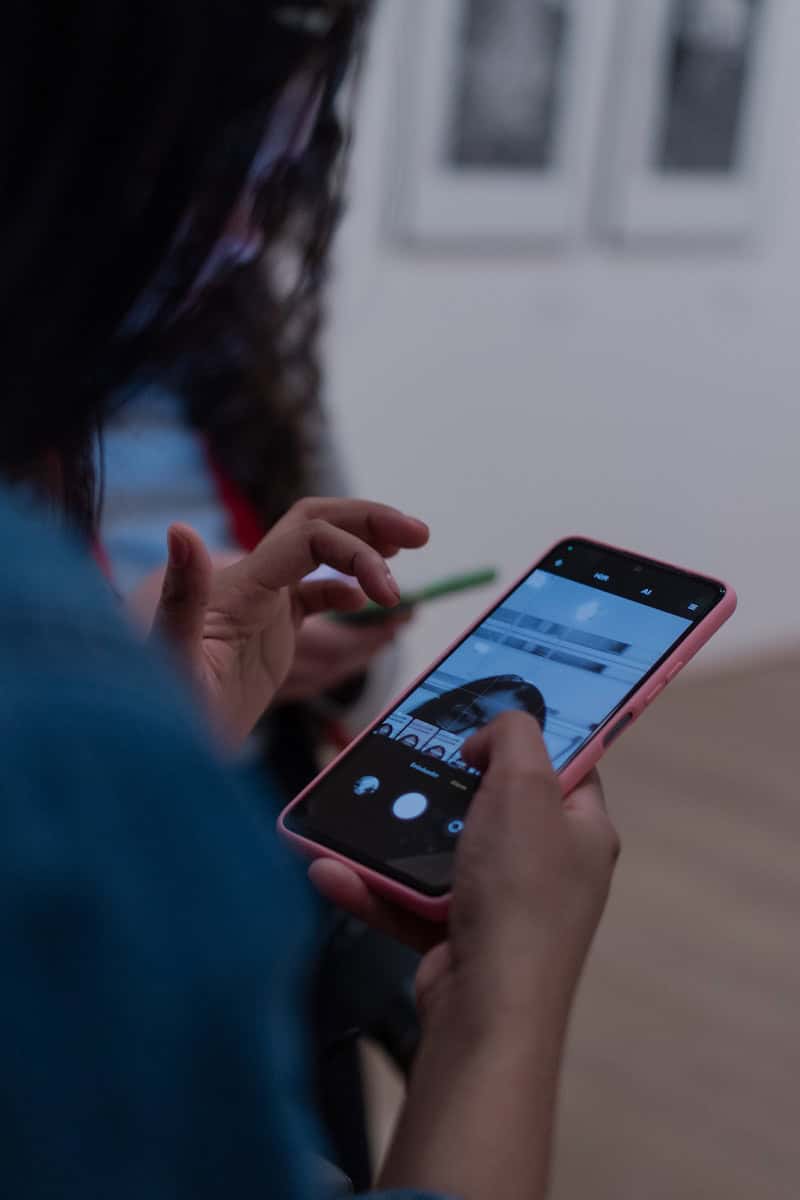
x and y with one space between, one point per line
512 740
384 528
349 535
291 551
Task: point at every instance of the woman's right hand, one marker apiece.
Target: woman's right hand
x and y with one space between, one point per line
531 879
532 875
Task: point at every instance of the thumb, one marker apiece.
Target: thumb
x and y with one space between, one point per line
185 592
588 799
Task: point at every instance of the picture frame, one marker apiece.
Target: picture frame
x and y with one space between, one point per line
687 121
492 157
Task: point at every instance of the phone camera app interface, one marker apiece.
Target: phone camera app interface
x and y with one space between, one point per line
567 647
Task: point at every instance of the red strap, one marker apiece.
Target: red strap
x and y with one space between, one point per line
246 527
338 734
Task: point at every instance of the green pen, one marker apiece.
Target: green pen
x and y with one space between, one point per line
449 586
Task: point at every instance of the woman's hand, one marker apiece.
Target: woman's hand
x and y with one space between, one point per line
329 653
235 628
532 875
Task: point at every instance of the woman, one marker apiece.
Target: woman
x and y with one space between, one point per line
152 938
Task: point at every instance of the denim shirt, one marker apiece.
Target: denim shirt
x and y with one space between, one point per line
152 935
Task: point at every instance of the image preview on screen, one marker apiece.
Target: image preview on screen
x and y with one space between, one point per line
563 651
560 646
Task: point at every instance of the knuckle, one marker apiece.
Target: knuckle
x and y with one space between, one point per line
527 777
614 844
609 845
315 531
304 509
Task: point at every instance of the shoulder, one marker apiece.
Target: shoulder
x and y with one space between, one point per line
150 970
101 752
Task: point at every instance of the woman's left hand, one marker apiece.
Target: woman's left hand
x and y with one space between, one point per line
235 628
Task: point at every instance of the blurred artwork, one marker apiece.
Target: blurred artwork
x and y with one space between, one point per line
555 122
497 140
689 121
507 89
709 64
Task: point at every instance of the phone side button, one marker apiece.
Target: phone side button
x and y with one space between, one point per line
650 697
671 675
619 728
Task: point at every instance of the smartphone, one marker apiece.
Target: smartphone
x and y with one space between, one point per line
584 642
375 613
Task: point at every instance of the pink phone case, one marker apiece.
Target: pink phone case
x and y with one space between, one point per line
435 908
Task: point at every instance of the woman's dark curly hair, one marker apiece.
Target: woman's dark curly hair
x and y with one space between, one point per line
120 116
247 365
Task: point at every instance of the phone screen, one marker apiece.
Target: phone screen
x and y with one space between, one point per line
569 645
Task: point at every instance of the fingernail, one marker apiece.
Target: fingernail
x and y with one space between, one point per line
419 524
393 584
179 549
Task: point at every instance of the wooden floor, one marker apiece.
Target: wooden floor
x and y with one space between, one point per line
683 1071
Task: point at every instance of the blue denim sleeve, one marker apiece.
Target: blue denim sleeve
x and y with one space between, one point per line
152 936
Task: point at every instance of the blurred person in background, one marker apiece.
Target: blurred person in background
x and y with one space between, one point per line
153 936
224 431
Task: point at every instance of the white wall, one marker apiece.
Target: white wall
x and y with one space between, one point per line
646 399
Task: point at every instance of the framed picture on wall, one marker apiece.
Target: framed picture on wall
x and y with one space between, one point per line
499 107
688 119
